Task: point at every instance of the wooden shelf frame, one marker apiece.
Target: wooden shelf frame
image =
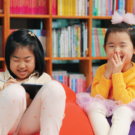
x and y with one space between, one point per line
85 63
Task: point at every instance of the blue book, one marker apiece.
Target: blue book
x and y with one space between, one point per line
120 7
75 85
94 9
93 44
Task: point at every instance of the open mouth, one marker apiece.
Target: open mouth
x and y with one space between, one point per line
22 72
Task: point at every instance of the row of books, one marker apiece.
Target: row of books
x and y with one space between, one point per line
1 70
1 46
133 6
41 34
1 4
98 35
70 41
93 72
77 82
29 6
107 7
70 7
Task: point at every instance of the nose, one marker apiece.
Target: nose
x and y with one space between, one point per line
21 65
117 50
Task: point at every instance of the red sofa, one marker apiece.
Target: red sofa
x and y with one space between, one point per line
75 121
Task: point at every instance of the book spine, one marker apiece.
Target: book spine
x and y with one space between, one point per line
93 44
11 11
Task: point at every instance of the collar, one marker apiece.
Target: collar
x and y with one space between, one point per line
8 76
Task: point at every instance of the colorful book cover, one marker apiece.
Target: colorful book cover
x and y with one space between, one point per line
93 44
94 8
11 6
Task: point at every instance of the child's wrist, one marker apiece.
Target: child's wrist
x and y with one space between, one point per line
107 75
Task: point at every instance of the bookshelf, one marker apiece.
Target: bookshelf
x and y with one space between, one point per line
85 63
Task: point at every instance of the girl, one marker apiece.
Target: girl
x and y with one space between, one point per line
24 58
113 88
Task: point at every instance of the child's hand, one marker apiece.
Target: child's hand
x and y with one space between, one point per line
118 63
109 68
9 82
29 100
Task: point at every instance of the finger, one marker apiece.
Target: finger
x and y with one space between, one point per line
12 81
119 59
113 62
115 58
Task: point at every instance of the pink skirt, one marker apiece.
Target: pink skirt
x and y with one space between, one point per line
84 100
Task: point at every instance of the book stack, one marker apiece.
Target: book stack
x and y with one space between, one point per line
29 6
107 7
70 41
41 34
1 70
93 72
1 6
77 82
133 7
1 39
98 35
70 7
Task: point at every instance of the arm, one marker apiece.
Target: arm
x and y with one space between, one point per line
100 85
122 91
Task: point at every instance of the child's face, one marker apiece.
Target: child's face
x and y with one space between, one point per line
22 62
120 42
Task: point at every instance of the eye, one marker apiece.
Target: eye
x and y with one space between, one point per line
111 46
27 61
122 45
16 60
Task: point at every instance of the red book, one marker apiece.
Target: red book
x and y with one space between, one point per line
52 7
117 3
11 6
45 7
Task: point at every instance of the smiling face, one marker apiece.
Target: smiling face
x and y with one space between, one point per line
120 42
22 63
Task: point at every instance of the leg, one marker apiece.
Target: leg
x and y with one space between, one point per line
97 117
121 121
46 111
12 107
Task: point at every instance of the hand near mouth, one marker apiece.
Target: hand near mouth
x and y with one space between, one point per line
118 63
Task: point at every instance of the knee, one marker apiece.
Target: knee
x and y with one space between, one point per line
123 111
15 91
96 107
55 89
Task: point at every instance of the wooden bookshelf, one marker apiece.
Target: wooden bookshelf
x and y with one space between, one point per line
85 63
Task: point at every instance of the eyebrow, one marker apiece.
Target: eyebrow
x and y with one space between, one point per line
19 58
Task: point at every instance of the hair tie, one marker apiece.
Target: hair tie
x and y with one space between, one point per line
32 34
127 18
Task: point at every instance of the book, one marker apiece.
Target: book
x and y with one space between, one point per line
32 89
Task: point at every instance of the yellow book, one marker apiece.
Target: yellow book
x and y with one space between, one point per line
62 3
61 7
70 7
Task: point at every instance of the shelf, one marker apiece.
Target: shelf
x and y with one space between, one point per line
102 17
2 59
28 16
71 58
99 58
2 15
47 58
70 17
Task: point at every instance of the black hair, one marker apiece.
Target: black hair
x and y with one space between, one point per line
22 38
121 27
